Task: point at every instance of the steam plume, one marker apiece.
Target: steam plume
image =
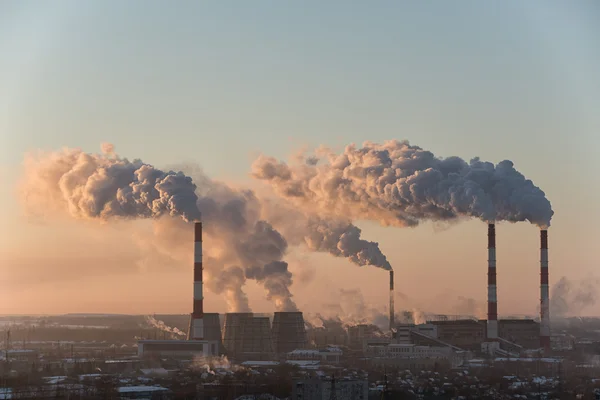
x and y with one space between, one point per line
162 326
570 298
334 235
106 187
276 279
399 184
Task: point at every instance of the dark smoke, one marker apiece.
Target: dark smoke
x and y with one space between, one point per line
399 184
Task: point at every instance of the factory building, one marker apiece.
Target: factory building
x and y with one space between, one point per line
415 356
321 336
358 333
523 332
178 348
329 355
467 334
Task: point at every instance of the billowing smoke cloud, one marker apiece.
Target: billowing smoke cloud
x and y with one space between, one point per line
276 279
334 235
240 243
569 299
399 184
105 187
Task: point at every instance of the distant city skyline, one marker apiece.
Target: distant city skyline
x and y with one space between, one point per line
217 85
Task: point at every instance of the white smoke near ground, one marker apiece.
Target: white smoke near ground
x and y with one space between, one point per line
213 365
351 310
398 184
570 298
469 307
158 324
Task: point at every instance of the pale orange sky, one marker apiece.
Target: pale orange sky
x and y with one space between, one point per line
67 266
517 82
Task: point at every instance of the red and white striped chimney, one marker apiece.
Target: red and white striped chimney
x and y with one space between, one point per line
492 322
392 312
197 321
544 292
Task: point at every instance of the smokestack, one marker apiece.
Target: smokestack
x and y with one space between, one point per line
544 292
196 331
492 322
392 323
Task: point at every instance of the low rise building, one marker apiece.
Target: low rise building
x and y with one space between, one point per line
328 355
415 356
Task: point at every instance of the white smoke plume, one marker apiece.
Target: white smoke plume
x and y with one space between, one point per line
155 323
241 244
570 299
334 235
102 187
398 184
276 279
214 364
351 310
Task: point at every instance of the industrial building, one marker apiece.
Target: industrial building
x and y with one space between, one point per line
523 332
177 348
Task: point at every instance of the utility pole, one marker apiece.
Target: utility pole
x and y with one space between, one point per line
385 394
333 395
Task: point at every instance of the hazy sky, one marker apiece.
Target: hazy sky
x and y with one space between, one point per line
219 82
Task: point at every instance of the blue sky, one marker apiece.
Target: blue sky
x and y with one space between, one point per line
219 82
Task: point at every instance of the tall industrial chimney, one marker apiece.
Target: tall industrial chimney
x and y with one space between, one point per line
392 323
544 292
196 331
492 322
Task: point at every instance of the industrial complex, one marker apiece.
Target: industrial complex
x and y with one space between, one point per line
234 354
246 337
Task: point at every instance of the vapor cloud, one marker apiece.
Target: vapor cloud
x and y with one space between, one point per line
106 187
399 184
570 298
241 244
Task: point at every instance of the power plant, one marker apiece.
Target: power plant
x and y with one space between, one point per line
246 336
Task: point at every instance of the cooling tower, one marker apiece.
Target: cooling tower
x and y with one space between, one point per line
232 332
212 329
544 292
492 322
256 341
288 332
